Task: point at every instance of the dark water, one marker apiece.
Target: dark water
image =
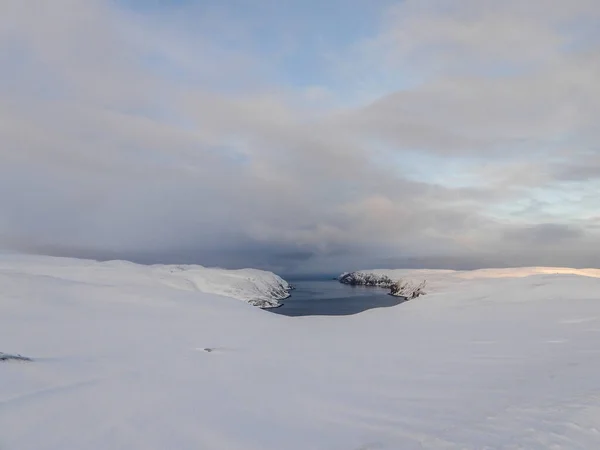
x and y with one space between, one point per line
331 298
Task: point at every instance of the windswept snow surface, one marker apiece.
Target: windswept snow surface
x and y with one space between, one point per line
120 362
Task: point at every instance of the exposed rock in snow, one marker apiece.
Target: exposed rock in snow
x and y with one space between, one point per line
9 357
446 279
408 289
398 286
364 278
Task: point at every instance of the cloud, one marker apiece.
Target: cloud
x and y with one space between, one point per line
545 234
452 133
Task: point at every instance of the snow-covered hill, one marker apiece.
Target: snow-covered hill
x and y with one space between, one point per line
445 279
257 287
124 360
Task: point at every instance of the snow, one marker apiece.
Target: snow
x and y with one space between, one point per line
119 362
444 280
257 287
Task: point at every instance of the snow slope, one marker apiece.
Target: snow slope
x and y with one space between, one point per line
119 363
445 279
257 287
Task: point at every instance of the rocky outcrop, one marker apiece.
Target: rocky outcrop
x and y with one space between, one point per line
365 279
407 289
9 357
272 295
398 287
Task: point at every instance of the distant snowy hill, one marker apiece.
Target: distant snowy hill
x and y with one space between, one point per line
445 279
132 357
257 287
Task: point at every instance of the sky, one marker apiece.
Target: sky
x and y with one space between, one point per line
302 136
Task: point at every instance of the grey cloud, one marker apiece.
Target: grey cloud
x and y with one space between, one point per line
106 156
545 234
580 168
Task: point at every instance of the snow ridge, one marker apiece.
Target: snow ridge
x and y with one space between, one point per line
256 287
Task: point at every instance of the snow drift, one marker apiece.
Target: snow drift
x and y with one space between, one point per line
120 361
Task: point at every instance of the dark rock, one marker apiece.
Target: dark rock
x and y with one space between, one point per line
8 357
366 279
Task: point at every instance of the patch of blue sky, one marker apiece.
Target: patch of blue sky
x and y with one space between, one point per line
582 34
557 204
427 167
294 38
152 5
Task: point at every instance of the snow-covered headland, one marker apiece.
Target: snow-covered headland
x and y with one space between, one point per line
399 287
366 278
435 280
126 356
256 287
